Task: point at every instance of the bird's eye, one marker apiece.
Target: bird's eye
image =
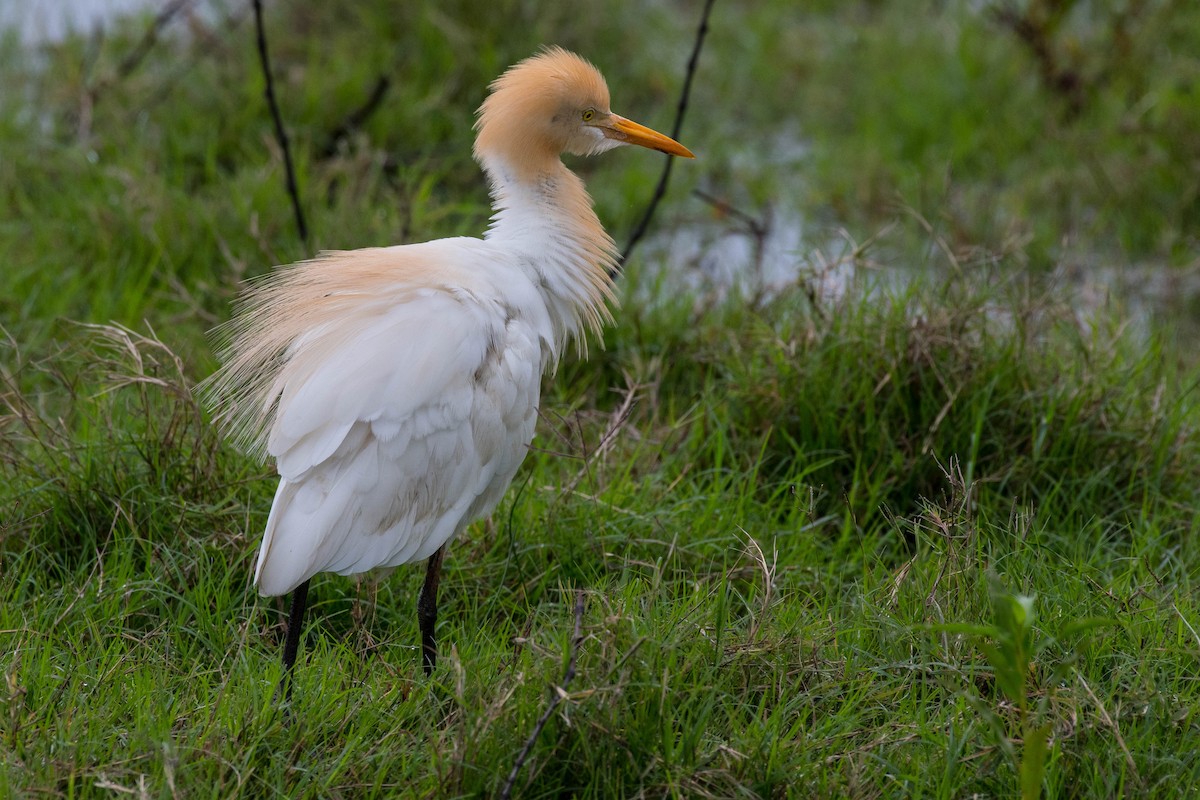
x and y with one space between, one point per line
588 114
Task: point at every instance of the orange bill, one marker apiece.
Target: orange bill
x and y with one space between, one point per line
626 130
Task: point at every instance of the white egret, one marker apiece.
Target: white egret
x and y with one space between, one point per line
397 387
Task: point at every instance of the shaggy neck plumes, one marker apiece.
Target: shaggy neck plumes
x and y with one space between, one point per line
545 215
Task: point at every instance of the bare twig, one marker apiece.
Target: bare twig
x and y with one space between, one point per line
140 790
938 239
355 119
150 38
758 231
768 572
756 226
1033 27
1062 64
661 189
1130 764
559 693
207 40
616 423
280 133
1187 624
130 63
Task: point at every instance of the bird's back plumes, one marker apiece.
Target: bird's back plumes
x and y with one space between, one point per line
292 321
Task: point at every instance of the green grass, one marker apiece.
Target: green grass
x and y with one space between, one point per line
930 541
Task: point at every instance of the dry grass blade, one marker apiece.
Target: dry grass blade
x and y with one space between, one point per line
768 575
1111 724
616 423
147 354
560 692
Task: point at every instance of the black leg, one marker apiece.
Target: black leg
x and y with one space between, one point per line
292 645
427 609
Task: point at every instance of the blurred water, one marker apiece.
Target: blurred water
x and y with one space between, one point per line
51 20
726 242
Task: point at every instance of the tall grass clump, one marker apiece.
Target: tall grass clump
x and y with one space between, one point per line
864 401
1036 407
103 440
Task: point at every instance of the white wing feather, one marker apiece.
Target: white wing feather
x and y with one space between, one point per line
393 432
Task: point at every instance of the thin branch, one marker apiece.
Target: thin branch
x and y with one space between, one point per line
768 572
757 229
1130 763
280 133
356 118
150 38
126 67
560 692
661 189
616 423
1037 34
207 41
129 63
753 224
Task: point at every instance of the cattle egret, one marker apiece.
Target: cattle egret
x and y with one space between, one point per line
397 387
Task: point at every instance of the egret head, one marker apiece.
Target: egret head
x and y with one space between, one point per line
552 103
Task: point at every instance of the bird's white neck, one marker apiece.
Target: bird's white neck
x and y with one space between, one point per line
544 214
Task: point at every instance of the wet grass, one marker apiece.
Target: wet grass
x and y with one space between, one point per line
932 541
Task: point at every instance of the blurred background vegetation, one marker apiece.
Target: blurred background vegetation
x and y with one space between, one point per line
917 322
1050 133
